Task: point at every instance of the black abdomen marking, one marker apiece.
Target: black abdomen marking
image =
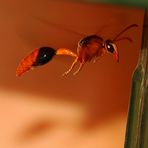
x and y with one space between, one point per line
44 56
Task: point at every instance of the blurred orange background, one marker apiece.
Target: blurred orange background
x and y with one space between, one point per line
42 109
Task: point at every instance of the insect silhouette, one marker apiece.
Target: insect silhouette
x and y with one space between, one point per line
89 48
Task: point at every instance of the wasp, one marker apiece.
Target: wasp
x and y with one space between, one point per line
90 48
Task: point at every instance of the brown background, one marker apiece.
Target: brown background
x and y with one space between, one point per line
42 109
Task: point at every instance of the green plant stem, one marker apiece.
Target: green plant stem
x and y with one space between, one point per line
137 125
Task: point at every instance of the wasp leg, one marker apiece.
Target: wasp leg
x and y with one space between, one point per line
98 57
72 66
80 67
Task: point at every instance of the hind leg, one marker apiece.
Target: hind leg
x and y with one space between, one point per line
72 66
80 67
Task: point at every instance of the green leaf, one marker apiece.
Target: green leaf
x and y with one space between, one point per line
137 126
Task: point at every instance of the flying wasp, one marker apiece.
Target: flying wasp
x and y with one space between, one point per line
89 48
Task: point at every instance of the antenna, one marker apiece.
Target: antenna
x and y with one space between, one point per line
127 28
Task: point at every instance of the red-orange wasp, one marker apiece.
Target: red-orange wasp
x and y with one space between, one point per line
89 48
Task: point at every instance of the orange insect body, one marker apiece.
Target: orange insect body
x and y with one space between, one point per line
94 47
89 48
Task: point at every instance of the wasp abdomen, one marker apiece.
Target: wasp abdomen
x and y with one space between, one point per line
38 57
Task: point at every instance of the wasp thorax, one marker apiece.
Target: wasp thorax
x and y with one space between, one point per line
88 39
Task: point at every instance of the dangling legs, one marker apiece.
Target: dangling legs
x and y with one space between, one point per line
80 67
72 66
96 59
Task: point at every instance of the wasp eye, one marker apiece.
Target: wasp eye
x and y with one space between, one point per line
110 46
44 56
